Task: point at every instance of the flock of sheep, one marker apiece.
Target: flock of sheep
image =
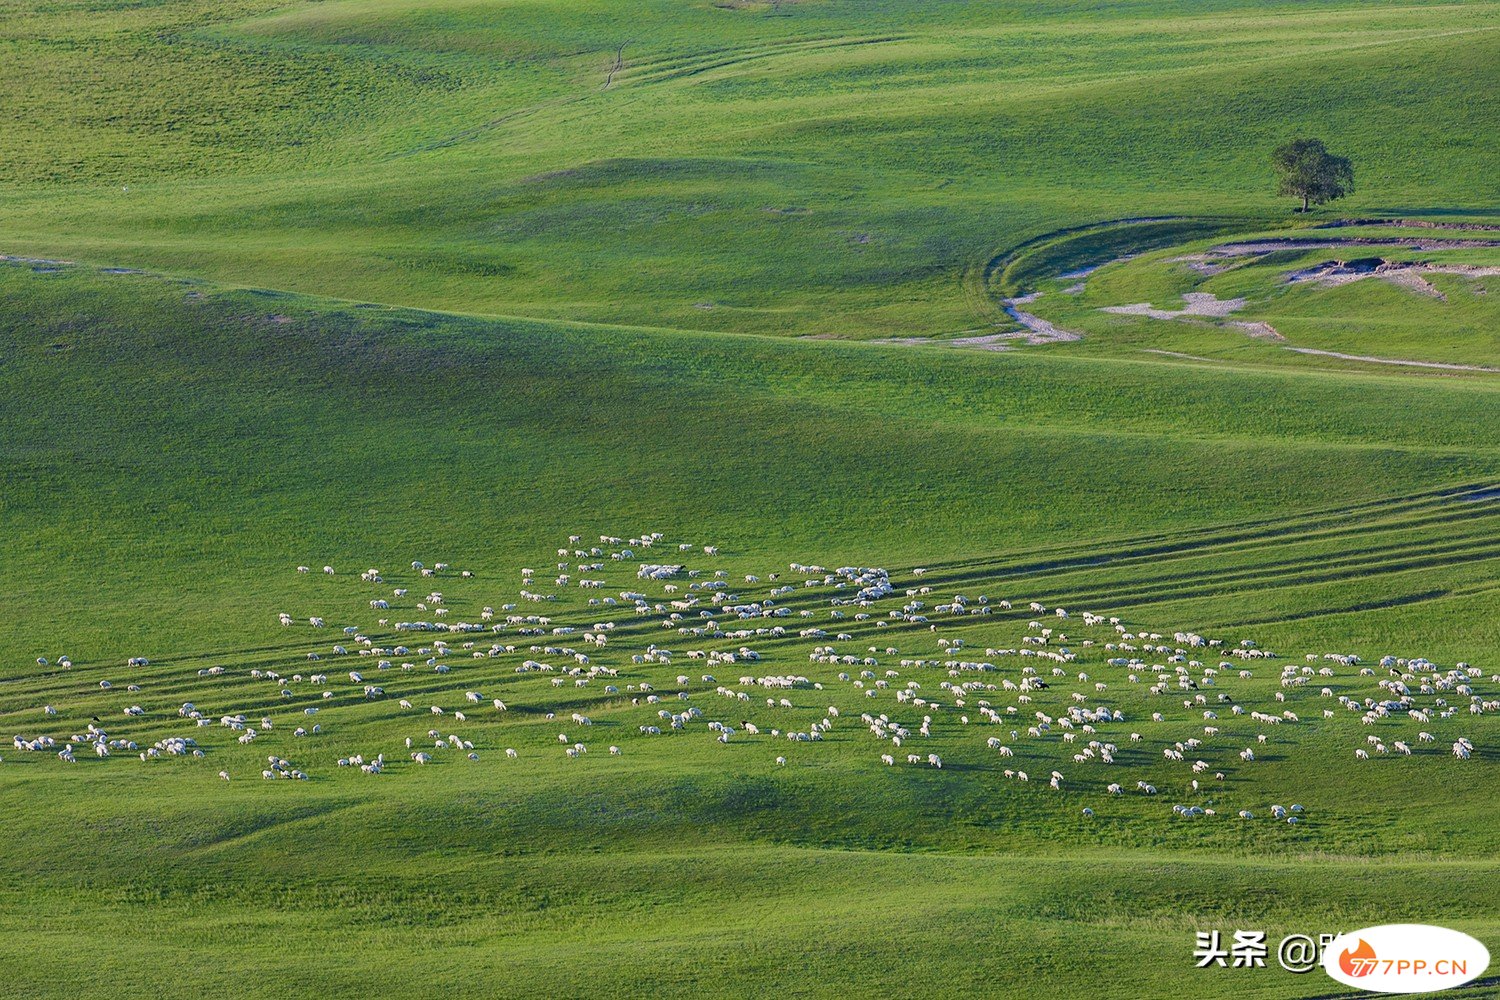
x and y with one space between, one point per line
774 655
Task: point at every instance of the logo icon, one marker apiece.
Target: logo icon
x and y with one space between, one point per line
1360 961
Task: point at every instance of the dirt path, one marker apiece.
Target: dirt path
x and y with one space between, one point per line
1042 331
1038 331
1394 361
619 64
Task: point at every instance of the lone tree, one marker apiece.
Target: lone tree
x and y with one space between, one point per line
1305 168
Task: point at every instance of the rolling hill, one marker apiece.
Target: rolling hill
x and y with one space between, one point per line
373 284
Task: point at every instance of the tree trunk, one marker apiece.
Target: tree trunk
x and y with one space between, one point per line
1304 201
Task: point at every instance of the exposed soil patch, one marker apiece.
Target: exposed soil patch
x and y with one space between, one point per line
1258 329
1411 279
43 261
906 341
987 342
1207 268
1084 272
1195 304
1039 331
1407 274
1198 306
1078 275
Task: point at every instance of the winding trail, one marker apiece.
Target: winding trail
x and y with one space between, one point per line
1394 361
616 66
1041 330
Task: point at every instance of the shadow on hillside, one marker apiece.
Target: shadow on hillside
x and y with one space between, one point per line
1457 213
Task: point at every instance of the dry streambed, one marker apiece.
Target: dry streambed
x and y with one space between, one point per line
1208 308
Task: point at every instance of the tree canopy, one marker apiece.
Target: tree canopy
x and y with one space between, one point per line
1307 170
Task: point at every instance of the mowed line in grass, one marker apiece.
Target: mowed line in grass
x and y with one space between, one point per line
1438 510
510 839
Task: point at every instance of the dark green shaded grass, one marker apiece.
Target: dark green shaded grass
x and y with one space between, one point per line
259 431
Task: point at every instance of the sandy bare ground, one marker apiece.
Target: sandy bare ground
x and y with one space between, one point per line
1203 305
1195 304
1394 361
1258 329
982 342
1409 278
987 342
1203 265
1199 306
1037 331
1406 274
1084 272
905 341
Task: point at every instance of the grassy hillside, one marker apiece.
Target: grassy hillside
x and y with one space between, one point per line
181 447
362 283
178 436
816 167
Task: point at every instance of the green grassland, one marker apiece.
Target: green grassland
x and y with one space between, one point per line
359 283
181 447
829 167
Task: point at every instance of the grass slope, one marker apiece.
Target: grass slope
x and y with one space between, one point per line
368 282
260 429
173 448
822 167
